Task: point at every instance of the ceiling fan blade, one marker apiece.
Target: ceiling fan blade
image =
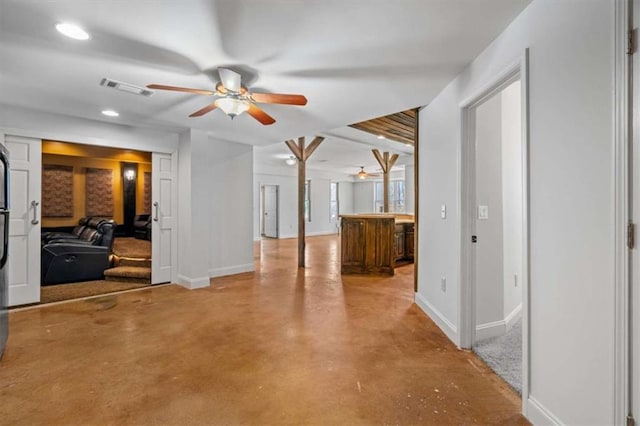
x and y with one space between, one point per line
204 110
278 98
230 79
180 89
260 115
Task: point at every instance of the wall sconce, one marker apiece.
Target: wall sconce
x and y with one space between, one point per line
130 174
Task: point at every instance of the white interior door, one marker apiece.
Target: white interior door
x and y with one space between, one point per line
634 267
164 214
270 211
25 164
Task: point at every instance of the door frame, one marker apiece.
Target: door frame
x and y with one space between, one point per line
626 141
263 209
518 70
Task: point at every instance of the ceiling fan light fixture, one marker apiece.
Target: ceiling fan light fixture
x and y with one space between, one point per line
72 31
290 161
362 174
232 106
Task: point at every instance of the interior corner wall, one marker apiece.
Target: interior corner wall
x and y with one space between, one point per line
230 207
571 188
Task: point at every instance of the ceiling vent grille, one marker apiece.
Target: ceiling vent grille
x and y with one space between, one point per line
126 87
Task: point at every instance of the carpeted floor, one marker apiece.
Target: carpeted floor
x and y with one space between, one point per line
132 248
56 293
504 355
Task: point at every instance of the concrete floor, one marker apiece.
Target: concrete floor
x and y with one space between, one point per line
279 346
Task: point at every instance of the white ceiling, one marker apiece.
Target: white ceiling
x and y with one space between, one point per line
342 152
353 59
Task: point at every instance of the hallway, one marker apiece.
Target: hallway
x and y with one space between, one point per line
278 346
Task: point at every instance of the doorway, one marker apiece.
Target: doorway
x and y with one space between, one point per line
269 211
494 226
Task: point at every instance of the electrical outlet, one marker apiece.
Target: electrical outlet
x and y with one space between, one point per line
443 284
515 280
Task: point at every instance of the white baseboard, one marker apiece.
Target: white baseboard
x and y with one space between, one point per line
498 328
193 283
307 234
231 270
441 321
490 329
513 317
537 414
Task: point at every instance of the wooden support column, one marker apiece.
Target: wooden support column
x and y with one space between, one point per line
386 163
302 153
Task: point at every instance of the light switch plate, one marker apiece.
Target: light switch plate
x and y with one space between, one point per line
443 211
483 212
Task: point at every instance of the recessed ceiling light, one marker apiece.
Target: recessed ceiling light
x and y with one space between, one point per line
407 144
110 113
72 30
381 137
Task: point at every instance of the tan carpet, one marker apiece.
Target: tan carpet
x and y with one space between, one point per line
56 293
132 247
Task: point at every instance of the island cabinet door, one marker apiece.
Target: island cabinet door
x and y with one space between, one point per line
353 244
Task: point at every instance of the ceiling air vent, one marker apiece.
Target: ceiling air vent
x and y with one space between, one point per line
126 87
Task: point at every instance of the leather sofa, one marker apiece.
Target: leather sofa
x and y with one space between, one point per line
70 258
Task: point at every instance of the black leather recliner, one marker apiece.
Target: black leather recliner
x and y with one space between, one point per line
82 224
85 258
142 227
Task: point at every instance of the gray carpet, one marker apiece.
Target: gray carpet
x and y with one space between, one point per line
504 355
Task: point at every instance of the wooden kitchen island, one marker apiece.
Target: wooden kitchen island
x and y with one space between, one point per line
375 243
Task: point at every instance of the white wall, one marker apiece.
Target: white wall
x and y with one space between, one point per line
571 193
363 196
46 125
286 178
512 198
345 197
229 189
410 188
489 268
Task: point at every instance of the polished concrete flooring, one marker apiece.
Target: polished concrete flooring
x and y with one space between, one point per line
278 346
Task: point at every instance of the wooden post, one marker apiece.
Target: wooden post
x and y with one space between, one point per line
302 154
386 164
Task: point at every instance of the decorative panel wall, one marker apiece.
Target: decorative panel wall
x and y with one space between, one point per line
99 192
57 191
147 193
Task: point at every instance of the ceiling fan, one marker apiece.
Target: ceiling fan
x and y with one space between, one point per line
234 98
363 175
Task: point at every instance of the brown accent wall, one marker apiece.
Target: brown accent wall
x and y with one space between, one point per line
80 157
140 207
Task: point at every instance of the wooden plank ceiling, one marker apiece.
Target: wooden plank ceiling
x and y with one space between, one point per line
397 127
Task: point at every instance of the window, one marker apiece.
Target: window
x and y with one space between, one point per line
334 202
396 196
307 201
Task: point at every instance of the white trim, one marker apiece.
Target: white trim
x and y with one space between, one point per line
231 270
621 210
192 283
540 415
518 69
438 317
513 317
309 234
490 329
498 328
